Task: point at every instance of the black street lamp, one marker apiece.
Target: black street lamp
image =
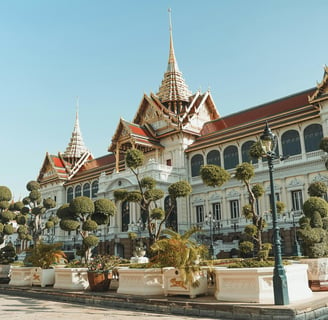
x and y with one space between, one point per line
269 143
296 245
209 220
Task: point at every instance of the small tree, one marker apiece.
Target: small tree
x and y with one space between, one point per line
317 189
6 215
147 195
84 215
314 228
244 173
32 213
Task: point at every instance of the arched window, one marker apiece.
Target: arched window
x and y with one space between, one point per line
125 216
291 144
230 157
94 189
312 137
86 190
69 194
213 157
245 152
78 191
172 220
196 162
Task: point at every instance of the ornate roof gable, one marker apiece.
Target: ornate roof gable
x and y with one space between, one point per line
322 89
53 168
131 135
201 109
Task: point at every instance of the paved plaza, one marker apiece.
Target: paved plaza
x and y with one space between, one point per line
49 303
18 308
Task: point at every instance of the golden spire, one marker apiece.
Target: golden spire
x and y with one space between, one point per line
173 88
76 147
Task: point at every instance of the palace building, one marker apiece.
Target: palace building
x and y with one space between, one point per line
179 131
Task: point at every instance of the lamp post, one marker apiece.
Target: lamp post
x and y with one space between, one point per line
296 245
268 142
209 220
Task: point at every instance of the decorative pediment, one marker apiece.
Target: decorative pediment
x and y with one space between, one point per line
53 168
130 135
322 89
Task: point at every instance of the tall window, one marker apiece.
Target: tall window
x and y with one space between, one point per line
312 137
172 220
216 209
69 194
125 216
196 162
199 214
234 209
291 144
245 152
86 190
94 189
78 191
230 156
297 200
213 157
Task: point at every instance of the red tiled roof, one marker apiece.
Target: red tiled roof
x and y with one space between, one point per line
57 162
264 111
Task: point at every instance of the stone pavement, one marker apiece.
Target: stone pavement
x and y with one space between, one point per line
202 306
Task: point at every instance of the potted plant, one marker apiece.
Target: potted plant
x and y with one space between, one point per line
100 271
42 258
314 236
7 256
180 257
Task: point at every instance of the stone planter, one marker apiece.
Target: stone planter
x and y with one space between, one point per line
256 284
174 284
43 277
317 273
142 282
4 273
21 276
71 278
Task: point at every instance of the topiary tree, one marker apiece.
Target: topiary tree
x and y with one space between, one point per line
147 195
314 227
244 173
32 212
317 189
6 215
85 216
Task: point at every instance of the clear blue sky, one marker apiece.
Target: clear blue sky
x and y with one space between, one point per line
111 52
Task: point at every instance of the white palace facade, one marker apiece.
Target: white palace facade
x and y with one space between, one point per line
179 131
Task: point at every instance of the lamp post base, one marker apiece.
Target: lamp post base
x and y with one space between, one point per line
280 288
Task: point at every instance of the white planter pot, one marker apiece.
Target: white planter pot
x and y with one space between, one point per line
174 284
43 277
71 278
21 276
4 271
140 281
317 273
256 284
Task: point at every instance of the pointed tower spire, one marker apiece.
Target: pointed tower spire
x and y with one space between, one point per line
173 92
76 147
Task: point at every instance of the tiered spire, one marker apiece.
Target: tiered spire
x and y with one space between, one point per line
173 92
76 147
